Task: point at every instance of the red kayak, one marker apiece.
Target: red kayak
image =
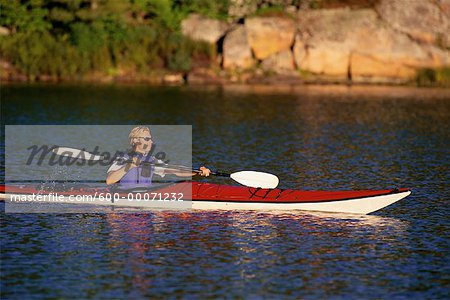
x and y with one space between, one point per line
214 196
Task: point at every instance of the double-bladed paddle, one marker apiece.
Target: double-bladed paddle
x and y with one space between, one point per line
248 178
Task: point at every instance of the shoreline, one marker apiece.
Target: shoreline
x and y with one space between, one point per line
211 77
214 77
377 92
267 83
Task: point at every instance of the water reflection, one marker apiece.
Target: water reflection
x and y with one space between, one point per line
313 137
163 250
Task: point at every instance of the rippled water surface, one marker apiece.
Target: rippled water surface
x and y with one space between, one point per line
314 137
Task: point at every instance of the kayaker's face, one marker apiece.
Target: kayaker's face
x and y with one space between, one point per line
142 142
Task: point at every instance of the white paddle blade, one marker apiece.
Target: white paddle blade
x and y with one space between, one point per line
256 179
76 153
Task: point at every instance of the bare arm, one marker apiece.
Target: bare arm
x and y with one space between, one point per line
115 176
205 172
180 173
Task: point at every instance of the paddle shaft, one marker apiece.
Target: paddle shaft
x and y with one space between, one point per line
181 168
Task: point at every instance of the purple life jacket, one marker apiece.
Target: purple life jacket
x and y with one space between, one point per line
138 177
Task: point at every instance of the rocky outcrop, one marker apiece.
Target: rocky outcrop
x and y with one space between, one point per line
387 43
236 50
280 63
422 20
241 8
357 44
364 68
269 35
201 28
326 59
385 53
299 50
327 38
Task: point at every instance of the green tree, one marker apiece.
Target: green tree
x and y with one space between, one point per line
66 38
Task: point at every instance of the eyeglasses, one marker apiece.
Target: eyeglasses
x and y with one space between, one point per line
146 138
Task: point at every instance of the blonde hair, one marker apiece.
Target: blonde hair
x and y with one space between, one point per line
135 132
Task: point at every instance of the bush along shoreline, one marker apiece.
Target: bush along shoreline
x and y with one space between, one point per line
226 41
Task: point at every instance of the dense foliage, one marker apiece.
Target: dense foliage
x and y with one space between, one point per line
434 77
64 38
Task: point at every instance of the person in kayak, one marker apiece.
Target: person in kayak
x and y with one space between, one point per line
131 170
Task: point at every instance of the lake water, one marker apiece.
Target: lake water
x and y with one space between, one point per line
312 137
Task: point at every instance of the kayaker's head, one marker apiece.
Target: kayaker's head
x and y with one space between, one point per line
141 139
